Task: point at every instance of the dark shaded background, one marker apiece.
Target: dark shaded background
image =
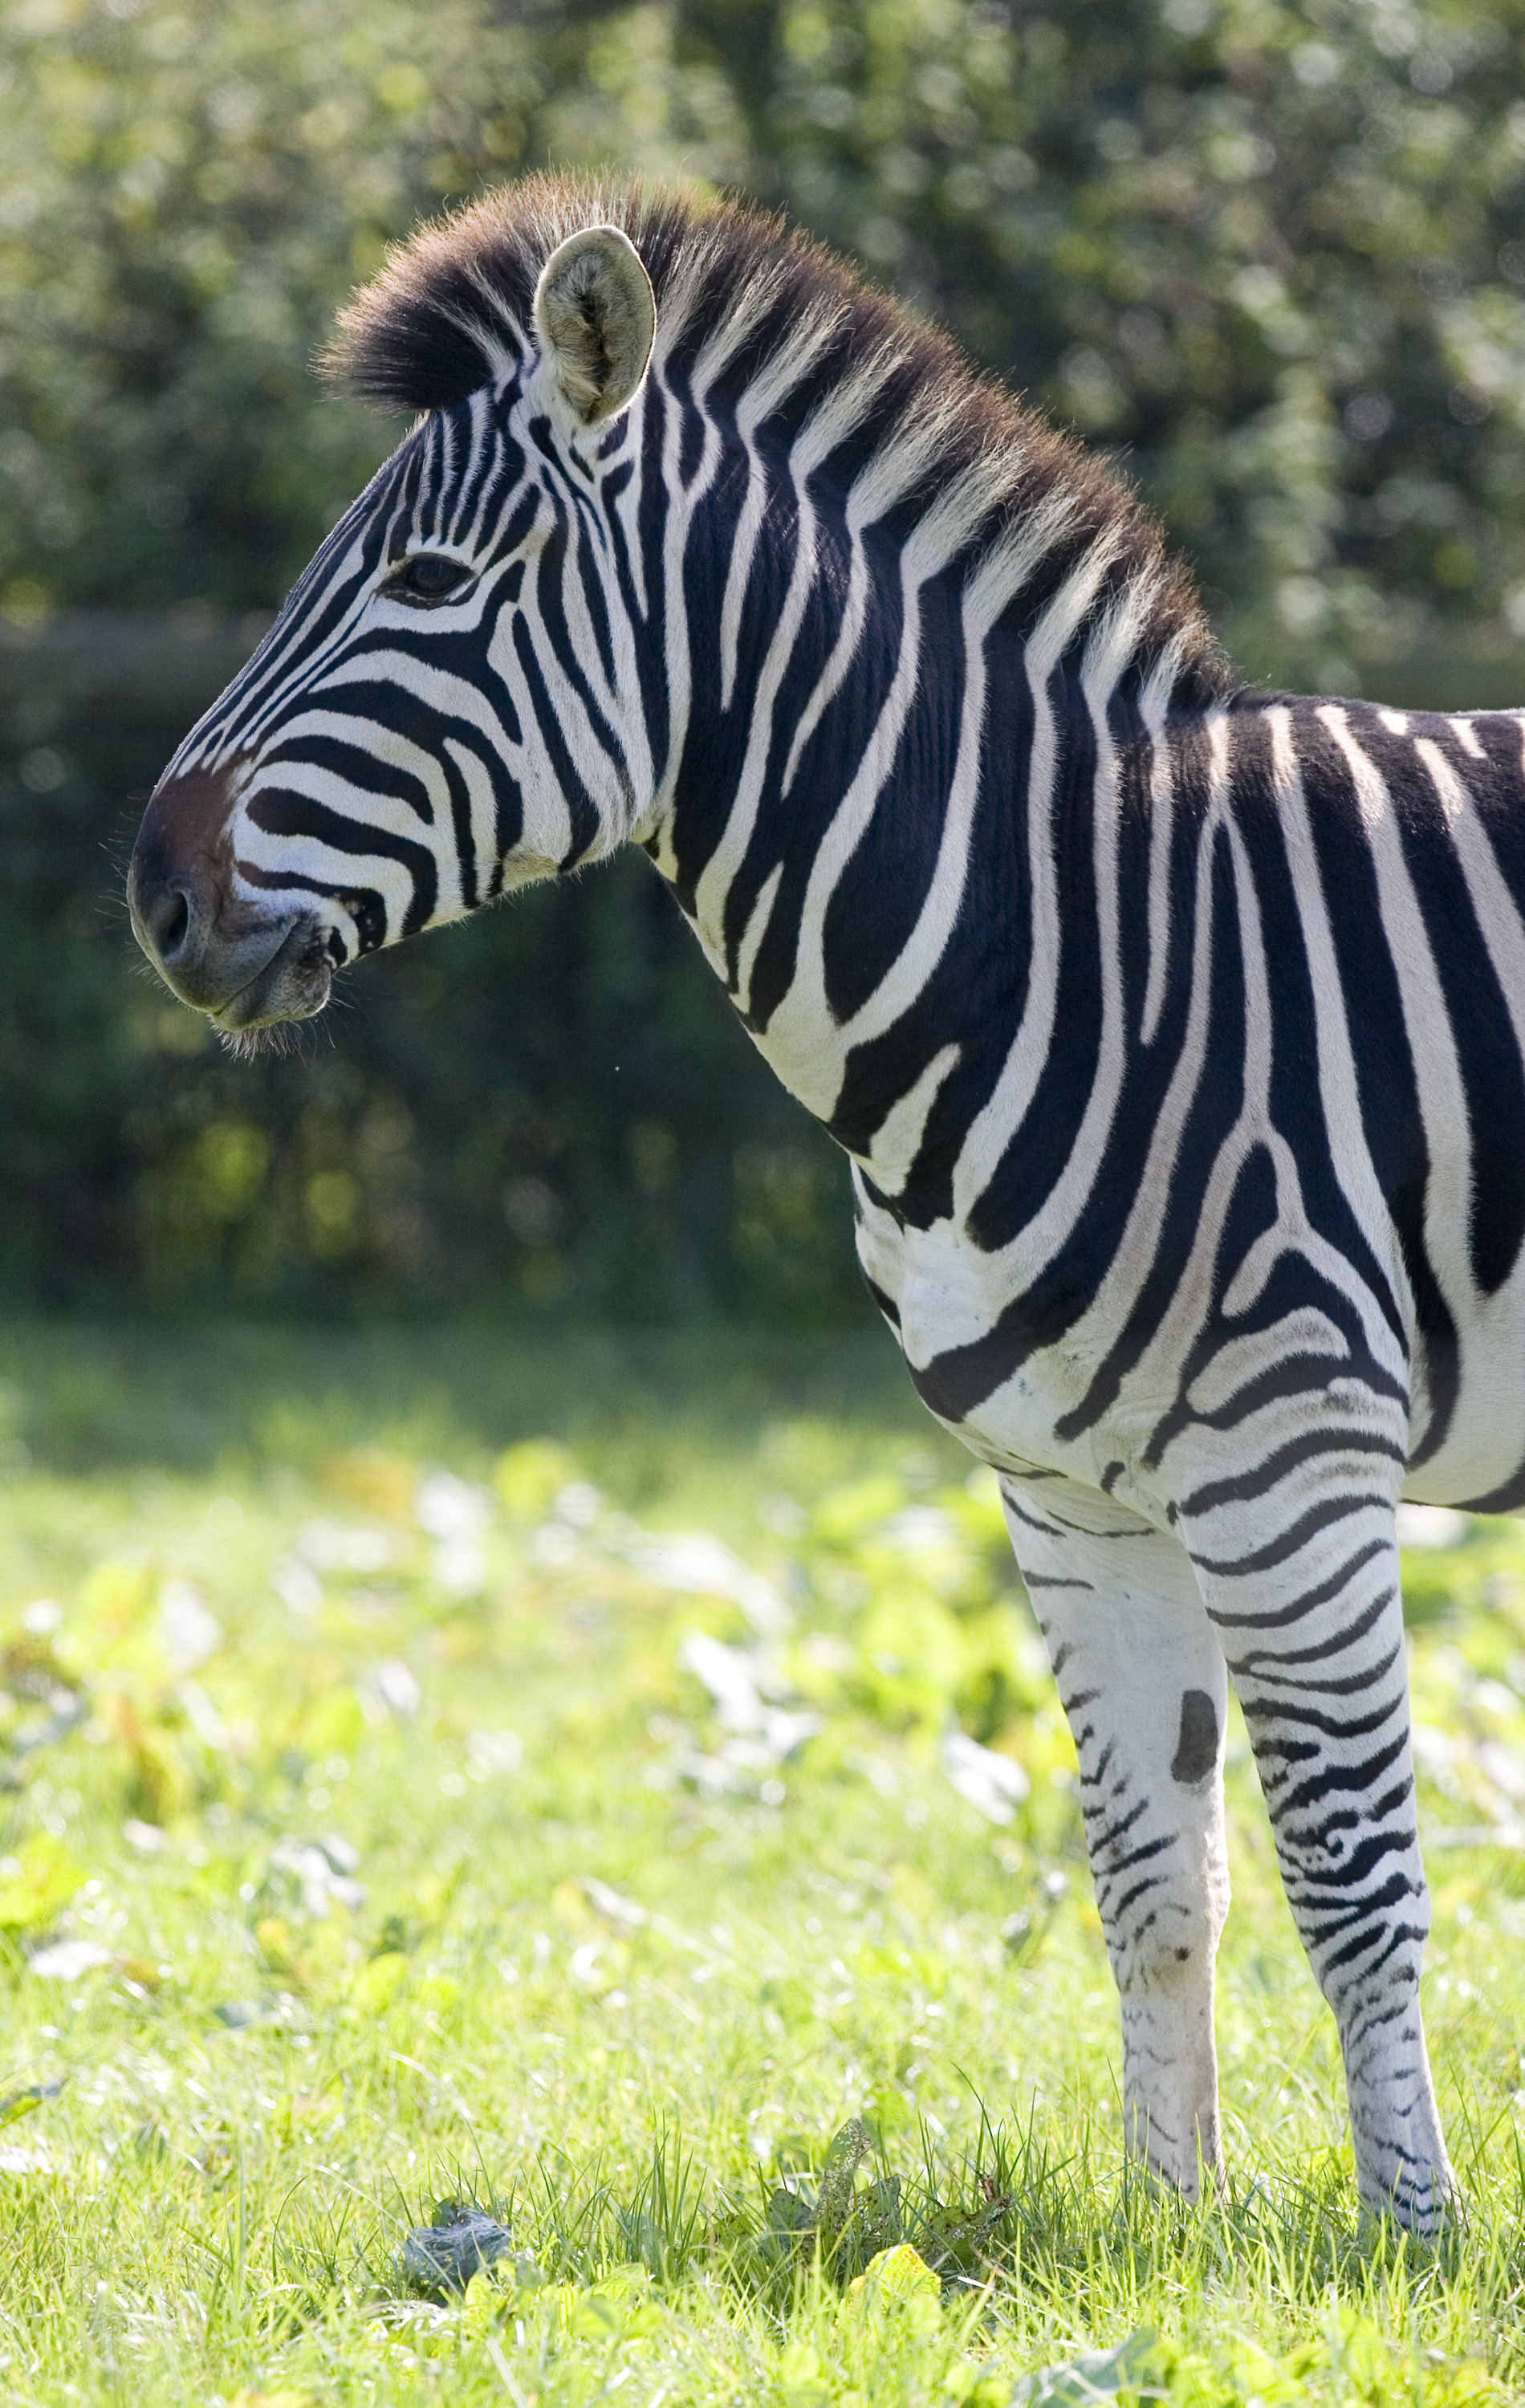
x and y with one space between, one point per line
1273 256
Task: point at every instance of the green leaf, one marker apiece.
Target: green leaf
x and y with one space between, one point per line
897 2277
26 2102
46 1877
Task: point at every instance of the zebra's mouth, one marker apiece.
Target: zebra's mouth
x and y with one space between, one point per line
294 984
247 959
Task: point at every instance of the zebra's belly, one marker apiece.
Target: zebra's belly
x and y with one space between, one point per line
1022 1408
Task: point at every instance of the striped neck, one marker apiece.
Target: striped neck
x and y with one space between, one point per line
878 713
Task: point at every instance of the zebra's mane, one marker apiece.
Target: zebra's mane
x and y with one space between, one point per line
739 293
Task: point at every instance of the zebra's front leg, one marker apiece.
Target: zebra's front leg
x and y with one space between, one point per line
1141 1676
1307 1605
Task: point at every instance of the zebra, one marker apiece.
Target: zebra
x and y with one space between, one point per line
1175 1029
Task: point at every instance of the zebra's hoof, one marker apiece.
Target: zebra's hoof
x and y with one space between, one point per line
1427 2221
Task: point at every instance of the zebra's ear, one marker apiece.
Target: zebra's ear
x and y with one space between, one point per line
595 323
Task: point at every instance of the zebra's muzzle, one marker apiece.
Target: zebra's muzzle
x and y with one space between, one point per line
246 963
294 983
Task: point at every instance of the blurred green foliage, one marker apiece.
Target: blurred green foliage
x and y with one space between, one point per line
1272 254
1274 251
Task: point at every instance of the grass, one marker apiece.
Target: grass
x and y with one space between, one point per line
399 1814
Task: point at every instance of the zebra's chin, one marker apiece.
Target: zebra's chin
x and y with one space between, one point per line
295 984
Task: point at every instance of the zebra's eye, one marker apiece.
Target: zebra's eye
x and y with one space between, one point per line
426 578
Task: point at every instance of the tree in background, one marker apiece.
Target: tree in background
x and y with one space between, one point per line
1274 255
185 195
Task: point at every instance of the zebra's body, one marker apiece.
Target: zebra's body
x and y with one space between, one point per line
1176 1033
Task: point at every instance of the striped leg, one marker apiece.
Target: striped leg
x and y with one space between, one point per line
1309 1613
1141 1675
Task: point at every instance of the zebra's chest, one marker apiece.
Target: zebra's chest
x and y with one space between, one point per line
1007 1397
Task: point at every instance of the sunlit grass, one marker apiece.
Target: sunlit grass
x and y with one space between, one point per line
378 1838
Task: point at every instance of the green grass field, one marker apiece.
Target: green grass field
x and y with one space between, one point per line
530 1774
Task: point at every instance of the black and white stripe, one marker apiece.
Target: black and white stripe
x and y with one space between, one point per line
1176 1032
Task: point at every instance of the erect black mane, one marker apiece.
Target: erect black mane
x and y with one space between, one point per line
451 311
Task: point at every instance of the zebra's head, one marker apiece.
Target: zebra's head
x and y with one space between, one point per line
693 540
446 706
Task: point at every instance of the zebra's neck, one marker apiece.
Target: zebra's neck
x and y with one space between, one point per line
883 771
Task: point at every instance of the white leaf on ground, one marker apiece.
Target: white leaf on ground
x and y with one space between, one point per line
698 1565
202 1716
608 1902
494 1752
64 1960
1436 1750
322 1866
731 1675
709 1774
754 1702
826 1653
579 1504
390 1688
297 1586
449 1507
188 1632
455 1515
778 1739
1432 1526
344 1546
460 1566
994 1783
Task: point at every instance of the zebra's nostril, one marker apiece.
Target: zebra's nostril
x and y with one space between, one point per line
168 922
